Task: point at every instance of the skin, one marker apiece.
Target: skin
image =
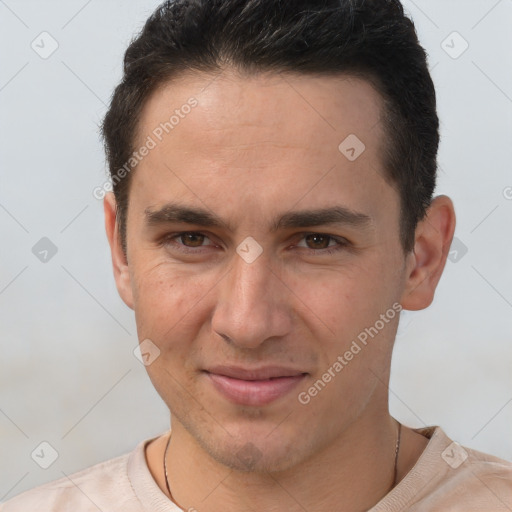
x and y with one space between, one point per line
252 149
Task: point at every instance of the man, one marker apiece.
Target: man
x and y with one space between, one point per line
273 167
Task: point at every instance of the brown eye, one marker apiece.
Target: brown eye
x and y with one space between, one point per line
319 244
318 241
192 239
188 242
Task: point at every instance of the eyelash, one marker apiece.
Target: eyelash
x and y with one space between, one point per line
169 240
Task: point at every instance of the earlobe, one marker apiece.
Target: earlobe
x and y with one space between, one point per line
434 235
119 261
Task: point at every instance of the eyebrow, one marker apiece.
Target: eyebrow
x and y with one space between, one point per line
336 215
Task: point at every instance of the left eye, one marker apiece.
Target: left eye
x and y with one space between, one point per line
319 241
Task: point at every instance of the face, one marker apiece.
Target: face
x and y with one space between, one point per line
259 253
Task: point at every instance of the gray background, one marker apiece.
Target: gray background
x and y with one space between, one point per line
68 375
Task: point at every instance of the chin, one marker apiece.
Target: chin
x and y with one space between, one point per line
250 458
255 451
252 440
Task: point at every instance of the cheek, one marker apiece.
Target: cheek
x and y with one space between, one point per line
340 301
168 302
343 310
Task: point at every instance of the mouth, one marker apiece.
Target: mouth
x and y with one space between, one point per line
256 387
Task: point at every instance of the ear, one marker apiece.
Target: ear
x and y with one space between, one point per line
426 263
119 261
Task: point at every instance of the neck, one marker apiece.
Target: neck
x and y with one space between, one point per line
356 471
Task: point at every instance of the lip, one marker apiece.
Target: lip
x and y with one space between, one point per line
255 387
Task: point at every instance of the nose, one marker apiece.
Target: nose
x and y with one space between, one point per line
253 304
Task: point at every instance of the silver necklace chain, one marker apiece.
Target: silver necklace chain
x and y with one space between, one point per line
395 471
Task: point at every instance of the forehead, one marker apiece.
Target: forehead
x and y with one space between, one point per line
294 106
263 139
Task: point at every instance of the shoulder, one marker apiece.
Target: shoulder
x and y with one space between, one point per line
479 478
448 476
92 489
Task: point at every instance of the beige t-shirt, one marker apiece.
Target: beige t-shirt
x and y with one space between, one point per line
447 477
